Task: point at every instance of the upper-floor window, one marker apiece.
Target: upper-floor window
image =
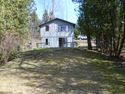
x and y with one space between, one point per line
47 28
61 28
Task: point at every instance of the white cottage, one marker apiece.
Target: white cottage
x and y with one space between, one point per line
57 33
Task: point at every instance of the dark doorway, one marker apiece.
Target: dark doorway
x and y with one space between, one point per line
46 41
62 42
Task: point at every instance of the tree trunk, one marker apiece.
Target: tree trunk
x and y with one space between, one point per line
123 36
97 43
113 26
89 41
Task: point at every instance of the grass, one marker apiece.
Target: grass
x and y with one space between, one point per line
61 71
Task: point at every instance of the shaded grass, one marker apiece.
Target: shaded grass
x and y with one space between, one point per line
62 71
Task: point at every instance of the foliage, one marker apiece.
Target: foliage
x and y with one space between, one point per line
76 33
14 18
34 29
104 20
9 42
47 16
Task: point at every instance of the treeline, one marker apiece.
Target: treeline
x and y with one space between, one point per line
14 20
103 20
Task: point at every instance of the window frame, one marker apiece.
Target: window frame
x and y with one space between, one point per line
47 27
62 28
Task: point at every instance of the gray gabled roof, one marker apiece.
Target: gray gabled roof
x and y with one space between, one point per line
43 24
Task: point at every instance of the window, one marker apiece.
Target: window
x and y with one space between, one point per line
61 28
46 42
47 28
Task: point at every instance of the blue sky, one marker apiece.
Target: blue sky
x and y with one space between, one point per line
64 9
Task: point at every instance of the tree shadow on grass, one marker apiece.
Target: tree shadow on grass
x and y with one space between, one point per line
71 71
60 52
6 92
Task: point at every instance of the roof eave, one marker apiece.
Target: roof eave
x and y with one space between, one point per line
54 20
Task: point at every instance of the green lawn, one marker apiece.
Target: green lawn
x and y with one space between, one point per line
61 71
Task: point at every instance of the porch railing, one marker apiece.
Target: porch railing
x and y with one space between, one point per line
66 45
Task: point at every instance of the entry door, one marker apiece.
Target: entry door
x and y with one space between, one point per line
62 42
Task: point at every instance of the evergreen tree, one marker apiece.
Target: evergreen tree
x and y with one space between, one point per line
14 20
45 16
104 20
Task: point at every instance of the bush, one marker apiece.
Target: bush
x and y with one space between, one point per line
8 45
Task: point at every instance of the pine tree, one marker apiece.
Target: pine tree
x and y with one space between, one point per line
45 16
14 20
104 20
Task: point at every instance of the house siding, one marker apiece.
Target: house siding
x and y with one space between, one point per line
53 34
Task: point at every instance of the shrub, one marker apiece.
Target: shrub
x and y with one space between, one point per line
8 45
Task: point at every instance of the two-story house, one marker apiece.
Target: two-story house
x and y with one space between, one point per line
57 33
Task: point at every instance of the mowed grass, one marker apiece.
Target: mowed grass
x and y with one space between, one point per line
61 71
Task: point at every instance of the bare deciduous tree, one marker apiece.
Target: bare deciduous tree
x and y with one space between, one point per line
8 45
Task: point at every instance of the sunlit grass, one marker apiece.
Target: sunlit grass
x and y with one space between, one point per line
61 71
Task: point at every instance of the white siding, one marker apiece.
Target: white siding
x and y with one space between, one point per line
53 34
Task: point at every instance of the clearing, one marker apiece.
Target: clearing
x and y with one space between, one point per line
61 71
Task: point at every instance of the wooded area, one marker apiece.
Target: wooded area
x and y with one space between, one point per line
14 23
104 21
71 70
